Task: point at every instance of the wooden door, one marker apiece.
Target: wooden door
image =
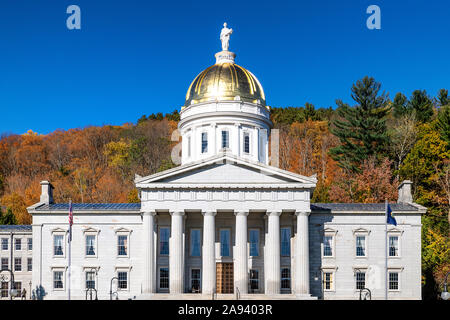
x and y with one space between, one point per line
224 277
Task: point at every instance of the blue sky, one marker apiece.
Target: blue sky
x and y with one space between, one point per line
138 57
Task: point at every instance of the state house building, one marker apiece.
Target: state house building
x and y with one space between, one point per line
225 224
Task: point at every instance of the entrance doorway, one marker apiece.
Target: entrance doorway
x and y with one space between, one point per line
224 277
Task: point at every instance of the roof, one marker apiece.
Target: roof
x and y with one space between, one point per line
15 228
363 207
90 206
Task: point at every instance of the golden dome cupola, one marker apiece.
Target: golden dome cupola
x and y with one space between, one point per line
223 81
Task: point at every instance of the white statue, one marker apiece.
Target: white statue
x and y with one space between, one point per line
225 36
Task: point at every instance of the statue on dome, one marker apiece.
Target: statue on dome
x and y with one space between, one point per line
225 36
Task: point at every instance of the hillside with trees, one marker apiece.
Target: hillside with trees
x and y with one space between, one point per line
359 150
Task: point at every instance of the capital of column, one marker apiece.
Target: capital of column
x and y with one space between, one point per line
302 213
274 213
176 213
241 213
149 213
209 213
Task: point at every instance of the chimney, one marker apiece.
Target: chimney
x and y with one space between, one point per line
404 192
47 192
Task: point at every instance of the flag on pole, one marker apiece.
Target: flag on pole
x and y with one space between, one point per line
70 220
390 217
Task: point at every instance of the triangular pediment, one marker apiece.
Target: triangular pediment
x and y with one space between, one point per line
225 170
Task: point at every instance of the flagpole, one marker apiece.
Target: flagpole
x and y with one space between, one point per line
385 251
70 250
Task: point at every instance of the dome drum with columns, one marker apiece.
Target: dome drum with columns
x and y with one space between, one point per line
225 108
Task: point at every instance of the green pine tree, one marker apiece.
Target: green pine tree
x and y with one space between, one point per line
422 105
443 123
443 97
361 129
400 105
9 218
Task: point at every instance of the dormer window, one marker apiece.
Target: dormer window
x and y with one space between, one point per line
246 142
225 139
204 142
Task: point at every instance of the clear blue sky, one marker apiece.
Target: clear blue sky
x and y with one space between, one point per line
138 57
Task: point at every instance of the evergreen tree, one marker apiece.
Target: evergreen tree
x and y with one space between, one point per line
443 123
422 105
8 218
361 129
400 105
443 97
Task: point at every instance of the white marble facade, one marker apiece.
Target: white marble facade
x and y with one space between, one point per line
225 224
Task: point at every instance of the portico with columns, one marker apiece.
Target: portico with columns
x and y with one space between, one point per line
211 197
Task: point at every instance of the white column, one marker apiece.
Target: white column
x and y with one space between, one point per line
176 253
302 254
240 254
237 138
272 258
149 266
209 253
213 139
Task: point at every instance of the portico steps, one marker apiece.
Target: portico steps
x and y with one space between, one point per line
243 297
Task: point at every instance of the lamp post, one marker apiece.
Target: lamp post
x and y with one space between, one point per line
110 289
4 278
445 295
30 289
368 293
89 289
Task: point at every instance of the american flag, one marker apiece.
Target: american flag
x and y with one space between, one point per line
70 220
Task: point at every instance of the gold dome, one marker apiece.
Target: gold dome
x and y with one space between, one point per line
225 81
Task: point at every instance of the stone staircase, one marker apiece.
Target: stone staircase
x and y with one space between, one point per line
244 297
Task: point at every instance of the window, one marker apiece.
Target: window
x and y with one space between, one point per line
225 139
164 240
29 264
18 286
195 280
285 278
195 242
58 241
360 246
30 244
286 242
328 280
4 243
393 246
17 264
4 289
164 278
122 245
5 264
90 280
254 279
393 280
246 142
123 280
225 243
58 279
254 242
18 244
328 246
360 280
204 142
90 245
